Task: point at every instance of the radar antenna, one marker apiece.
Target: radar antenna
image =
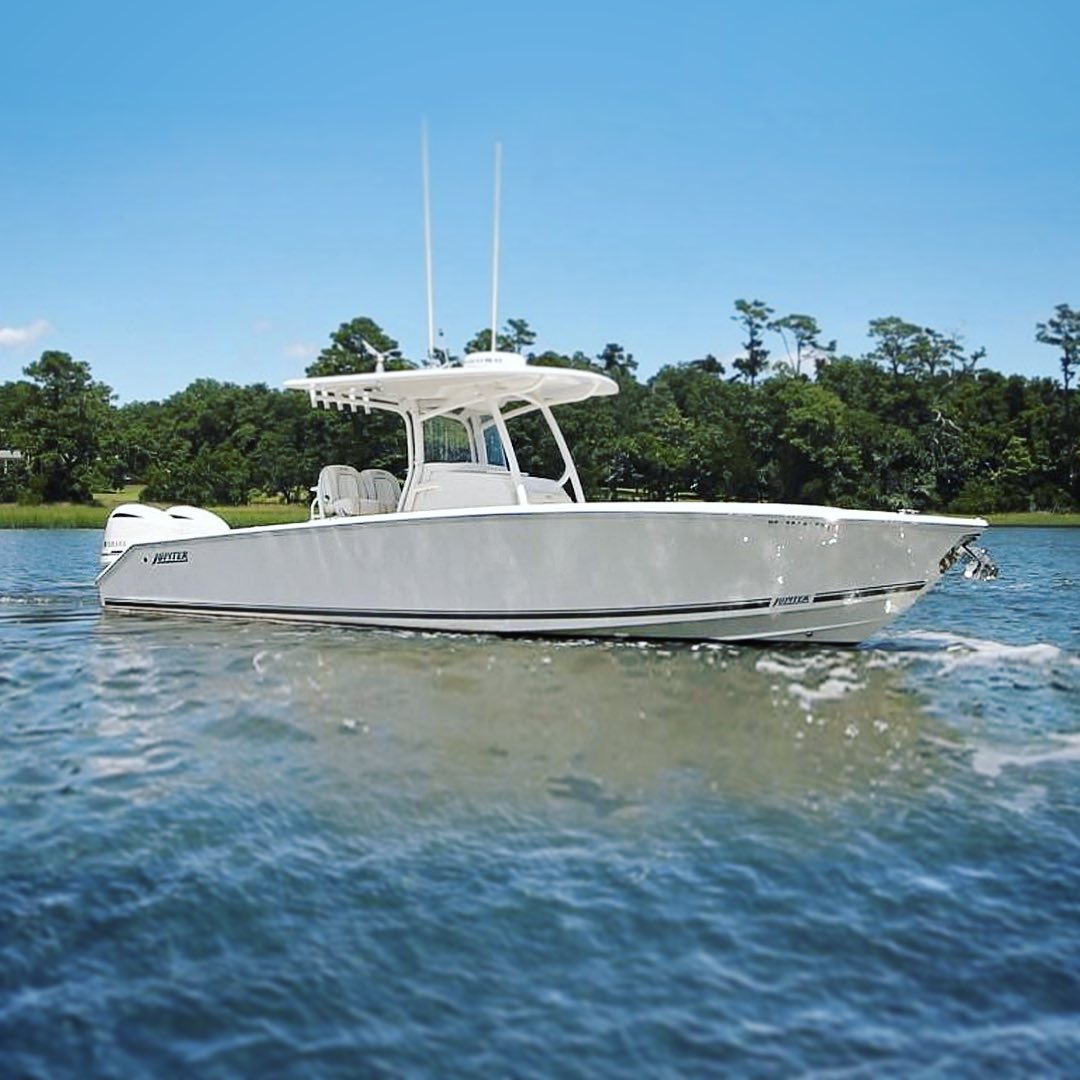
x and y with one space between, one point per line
380 358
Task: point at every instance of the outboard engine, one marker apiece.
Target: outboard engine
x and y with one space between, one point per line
135 523
980 565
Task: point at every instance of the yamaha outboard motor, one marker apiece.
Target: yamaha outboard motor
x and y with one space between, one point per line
135 523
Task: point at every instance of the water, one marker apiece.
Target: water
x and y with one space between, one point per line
239 849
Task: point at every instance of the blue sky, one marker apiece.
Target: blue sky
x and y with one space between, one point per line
210 189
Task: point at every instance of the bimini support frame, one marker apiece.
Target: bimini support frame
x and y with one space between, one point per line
414 430
511 456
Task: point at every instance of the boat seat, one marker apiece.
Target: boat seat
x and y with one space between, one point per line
382 487
342 491
338 493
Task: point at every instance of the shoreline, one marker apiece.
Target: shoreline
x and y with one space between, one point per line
78 516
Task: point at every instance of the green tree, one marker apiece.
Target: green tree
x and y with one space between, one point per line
515 336
521 334
931 352
1062 331
753 315
481 342
721 460
138 429
894 340
970 362
1016 476
819 457
67 417
616 361
804 332
708 364
14 401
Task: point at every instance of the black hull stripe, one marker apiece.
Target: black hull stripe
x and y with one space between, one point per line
510 616
864 594
462 616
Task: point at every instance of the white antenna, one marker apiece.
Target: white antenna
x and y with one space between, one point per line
495 251
428 259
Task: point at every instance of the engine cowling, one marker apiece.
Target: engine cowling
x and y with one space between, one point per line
135 523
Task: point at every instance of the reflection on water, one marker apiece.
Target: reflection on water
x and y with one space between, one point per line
402 718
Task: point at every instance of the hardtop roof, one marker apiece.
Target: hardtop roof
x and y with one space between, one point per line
482 380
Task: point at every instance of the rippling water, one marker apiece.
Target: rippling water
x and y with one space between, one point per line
241 849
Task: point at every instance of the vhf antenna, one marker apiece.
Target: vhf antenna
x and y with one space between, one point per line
428 258
495 251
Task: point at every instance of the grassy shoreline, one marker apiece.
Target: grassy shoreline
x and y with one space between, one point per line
1035 518
93 516
78 516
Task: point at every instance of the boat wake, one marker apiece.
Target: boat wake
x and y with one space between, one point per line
991 761
53 607
954 651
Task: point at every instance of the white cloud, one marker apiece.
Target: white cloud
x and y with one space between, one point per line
12 337
300 350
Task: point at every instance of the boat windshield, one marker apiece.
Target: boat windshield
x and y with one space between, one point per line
493 446
470 438
446 438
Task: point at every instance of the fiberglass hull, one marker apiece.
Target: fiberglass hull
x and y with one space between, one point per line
721 572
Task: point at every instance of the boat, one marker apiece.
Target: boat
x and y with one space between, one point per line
469 541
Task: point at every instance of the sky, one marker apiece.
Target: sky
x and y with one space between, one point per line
209 189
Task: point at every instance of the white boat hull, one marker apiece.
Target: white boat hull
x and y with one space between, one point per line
721 572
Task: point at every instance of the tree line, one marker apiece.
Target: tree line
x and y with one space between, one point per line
917 421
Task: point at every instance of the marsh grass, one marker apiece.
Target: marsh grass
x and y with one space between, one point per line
52 516
262 514
1037 517
93 516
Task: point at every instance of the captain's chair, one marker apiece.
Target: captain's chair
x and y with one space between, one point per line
382 487
344 492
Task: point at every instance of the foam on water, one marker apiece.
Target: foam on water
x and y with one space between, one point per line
989 761
953 651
